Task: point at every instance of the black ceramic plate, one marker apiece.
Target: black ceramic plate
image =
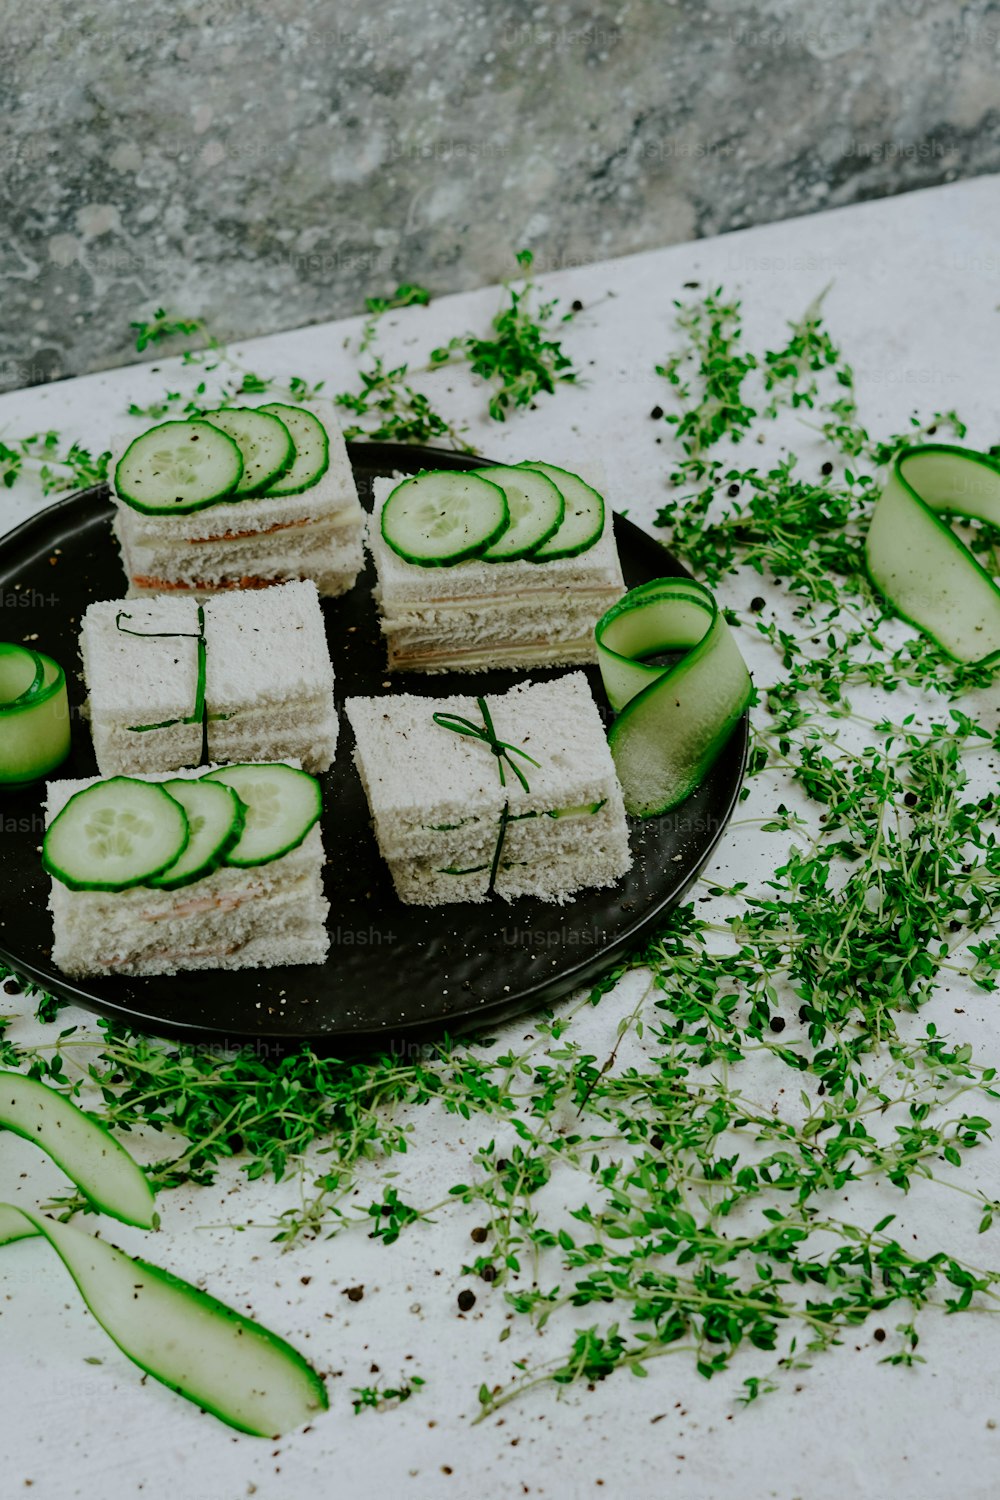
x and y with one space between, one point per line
393 970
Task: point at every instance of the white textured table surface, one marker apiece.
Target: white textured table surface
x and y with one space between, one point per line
914 306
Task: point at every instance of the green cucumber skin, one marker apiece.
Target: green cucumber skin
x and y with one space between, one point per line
14 1084
277 489
252 864
176 510
204 1301
452 558
217 860
713 750
261 488
883 589
546 553
99 885
633 707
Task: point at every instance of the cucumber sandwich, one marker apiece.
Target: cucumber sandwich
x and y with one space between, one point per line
241 677
219 868
237 498
513 794
492 567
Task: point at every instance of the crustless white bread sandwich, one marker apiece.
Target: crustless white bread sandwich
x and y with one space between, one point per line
494 567
238 499
245 676
219 868
451 829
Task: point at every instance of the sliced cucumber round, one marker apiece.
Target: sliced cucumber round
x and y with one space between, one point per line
536 509
102 1169
265 444
216 817
178 467
311 449
115 834
583 521
444 516
282 804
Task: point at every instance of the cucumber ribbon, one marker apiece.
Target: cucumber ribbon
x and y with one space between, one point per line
34 715
672 721
503 751
195 1345
921 568
198 714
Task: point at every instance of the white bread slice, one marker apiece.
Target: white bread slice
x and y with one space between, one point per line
268 681
136 679
400 581
260 917
436 798
333 495
266 647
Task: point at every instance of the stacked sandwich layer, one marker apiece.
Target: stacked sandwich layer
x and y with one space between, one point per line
258 917
474 615
242 677
253 542
440 811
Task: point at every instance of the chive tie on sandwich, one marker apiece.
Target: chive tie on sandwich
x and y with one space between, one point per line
244 497
492 567
241 677
511 793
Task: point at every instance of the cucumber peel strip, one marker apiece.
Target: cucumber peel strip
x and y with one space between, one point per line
195 1345
102 1169
918 564
673 721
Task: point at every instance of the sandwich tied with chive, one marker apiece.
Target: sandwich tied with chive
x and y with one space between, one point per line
512 793
175 683
219 868
238 498
492 567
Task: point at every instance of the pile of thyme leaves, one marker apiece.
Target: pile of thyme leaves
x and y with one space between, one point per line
722 1151
520 360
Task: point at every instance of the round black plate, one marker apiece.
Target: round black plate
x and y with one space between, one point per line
393 970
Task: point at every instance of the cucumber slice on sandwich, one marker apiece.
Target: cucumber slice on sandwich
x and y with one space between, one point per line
115 834
311 449
102 1169
536 509
215 822
444 516
177 468
583 521
265 444
282 804
225 1363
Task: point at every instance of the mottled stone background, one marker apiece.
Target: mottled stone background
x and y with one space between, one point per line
271 165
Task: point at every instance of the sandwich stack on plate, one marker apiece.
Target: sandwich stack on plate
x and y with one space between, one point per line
244 676
238 499
494 567
514 793
213 869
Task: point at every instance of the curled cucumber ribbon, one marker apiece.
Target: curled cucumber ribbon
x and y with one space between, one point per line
923 570
673 721
34 715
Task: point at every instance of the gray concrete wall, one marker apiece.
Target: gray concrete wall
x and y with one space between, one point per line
271 165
